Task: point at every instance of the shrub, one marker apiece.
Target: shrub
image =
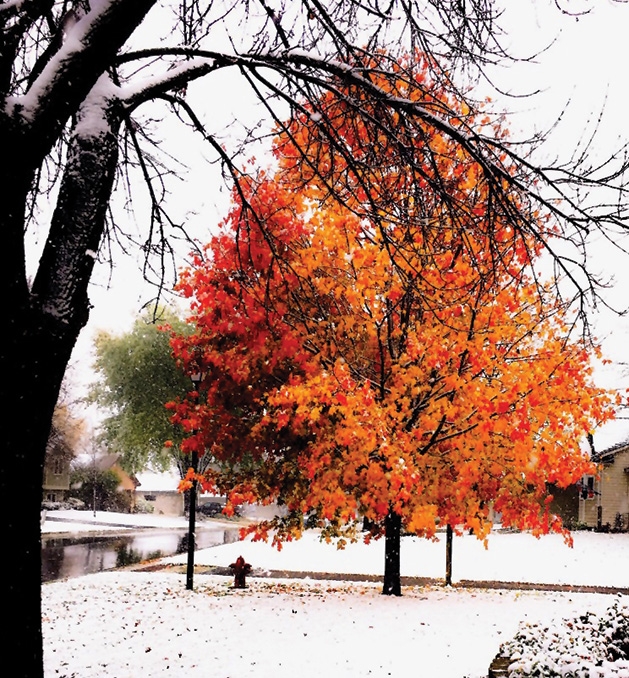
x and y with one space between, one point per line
590 646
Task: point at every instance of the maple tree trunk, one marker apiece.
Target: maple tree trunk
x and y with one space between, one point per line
449 534
392 541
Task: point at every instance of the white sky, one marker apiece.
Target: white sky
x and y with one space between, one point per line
580 75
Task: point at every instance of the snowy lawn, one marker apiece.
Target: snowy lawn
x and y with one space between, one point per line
127 624
598 559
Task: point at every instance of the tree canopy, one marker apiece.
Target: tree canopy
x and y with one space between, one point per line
137 376
67 430
406 365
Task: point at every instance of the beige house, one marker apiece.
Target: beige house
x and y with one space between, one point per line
604 499
56 475
160 490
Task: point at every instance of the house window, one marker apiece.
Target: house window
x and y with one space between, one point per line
57 467
587 487
150 497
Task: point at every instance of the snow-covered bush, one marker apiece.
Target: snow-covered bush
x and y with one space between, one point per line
591 646
143 506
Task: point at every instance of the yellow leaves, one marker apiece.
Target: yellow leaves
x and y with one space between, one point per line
423 521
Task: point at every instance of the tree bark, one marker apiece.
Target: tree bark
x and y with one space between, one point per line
392 541
449 534
43 326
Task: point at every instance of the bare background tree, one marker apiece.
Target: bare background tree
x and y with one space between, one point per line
90 90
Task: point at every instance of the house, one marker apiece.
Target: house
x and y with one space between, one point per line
128 482
604 499
56 478
160 491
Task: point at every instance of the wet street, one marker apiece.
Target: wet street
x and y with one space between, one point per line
75 556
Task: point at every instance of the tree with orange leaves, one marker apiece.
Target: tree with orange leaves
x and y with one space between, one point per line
402 365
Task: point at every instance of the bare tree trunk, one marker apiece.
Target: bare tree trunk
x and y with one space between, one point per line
28 412
27 404
392 541
42 329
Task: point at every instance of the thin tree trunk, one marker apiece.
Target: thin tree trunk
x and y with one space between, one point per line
449 534
392 541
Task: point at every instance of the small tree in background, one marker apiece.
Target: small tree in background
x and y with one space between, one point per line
98 489
137 376
66 432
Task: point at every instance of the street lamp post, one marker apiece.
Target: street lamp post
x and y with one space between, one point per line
192 507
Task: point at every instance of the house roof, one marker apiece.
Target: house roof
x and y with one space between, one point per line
158 482
109 461
106 462
609 453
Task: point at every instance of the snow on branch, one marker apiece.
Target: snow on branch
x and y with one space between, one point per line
85 52
136 93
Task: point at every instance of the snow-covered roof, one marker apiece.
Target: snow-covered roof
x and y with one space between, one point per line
158 482
610 452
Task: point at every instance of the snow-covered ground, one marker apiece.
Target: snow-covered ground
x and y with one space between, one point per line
123 624
595 559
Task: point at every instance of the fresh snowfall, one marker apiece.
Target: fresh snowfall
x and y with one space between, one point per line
133 622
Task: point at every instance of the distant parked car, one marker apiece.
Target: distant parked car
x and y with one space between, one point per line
71 503
214 508
211 509
54 505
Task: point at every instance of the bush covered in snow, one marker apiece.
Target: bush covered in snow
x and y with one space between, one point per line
591 646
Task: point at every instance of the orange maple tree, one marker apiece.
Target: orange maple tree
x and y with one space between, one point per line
391 358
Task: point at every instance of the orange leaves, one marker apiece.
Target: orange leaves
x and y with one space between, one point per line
388 351
423 521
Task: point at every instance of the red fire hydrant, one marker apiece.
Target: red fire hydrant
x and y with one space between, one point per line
240 570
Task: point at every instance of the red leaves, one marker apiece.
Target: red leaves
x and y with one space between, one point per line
359 364
503 407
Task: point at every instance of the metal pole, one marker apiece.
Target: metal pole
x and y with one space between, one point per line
192 510
94 488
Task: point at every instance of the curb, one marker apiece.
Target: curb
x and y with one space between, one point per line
371 578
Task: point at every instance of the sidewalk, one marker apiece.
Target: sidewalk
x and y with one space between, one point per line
258 573
596 560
